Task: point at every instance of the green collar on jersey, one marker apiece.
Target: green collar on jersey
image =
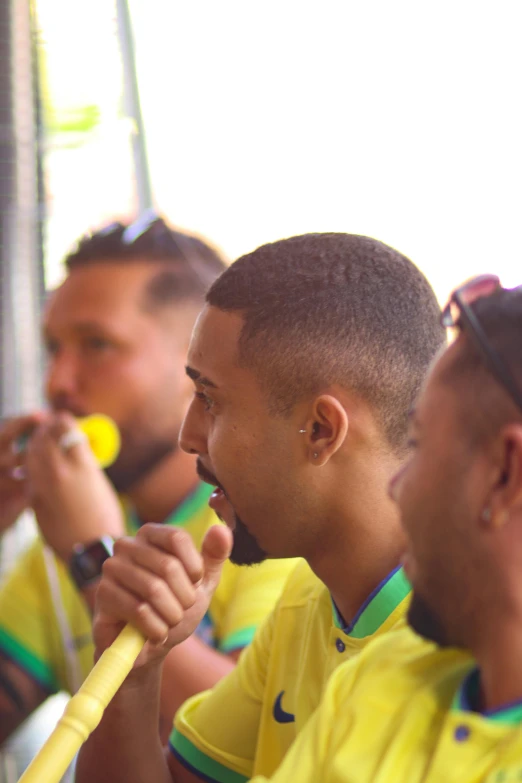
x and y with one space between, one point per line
378 606
467 699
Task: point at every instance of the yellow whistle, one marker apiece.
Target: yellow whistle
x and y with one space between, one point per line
103 436
101 432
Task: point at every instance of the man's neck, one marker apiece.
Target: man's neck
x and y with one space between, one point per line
164 488
498 657
351 572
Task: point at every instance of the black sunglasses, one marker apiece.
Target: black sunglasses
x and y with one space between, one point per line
458 313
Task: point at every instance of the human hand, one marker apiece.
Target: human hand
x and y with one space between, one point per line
160 583
13 484
73 500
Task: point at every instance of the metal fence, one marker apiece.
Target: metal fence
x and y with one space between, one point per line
21 290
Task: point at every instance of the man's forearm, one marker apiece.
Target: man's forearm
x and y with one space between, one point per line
126 745
189 668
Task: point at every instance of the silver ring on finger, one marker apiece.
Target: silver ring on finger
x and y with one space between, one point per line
71 438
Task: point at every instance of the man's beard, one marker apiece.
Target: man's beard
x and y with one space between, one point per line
425 621
137 460
245 549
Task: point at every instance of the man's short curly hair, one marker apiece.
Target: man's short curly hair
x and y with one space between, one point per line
323 309
189 265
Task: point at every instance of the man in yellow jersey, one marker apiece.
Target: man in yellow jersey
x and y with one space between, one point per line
409 711
305 360
117 333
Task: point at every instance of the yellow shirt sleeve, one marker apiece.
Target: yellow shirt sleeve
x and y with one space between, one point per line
215 733
26 619
57 654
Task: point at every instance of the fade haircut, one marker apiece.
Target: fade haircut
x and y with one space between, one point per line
323 309
187 265
487 404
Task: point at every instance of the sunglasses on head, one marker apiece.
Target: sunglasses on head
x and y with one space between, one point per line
150 223
161 240
458 313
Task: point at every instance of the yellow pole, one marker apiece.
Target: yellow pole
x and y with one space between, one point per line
85 709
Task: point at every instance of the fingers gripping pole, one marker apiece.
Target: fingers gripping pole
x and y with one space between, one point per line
85 710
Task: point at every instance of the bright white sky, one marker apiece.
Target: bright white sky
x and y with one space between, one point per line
401 120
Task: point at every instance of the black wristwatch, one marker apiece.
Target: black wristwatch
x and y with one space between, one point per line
85 565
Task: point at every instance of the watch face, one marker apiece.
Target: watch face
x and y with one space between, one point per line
92 560
87 562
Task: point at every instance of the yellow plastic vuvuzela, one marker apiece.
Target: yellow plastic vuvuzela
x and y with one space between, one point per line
85 709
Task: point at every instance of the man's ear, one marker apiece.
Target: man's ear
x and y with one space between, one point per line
327 428
506 494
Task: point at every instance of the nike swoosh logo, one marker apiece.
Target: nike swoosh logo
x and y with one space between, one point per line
279 714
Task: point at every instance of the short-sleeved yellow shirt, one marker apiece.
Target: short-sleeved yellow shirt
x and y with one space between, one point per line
45 625
403 713
246 724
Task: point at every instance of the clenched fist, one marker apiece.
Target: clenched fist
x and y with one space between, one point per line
72 499
160 583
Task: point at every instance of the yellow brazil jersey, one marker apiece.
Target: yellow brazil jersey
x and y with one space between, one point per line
401 713
45 625
246 724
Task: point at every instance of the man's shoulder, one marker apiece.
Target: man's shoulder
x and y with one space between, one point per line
30 562
34 573
402 656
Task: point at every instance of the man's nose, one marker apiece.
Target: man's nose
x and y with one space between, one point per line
193 433
61 376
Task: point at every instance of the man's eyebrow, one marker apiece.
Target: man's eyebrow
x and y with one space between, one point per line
196 376
80 327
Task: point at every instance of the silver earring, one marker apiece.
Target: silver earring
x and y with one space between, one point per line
486 515
302 431
315 454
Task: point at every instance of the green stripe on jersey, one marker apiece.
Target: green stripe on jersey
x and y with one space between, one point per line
197 501
38 669
212 770
191 506
238 639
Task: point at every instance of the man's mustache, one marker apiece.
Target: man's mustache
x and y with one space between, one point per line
62 403
206 475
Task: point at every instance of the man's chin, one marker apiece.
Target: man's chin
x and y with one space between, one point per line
425 621
245 549
135 464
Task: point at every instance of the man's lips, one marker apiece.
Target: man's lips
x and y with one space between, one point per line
66 406
218 500
220 505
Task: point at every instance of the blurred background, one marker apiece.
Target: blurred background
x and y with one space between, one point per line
247 122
